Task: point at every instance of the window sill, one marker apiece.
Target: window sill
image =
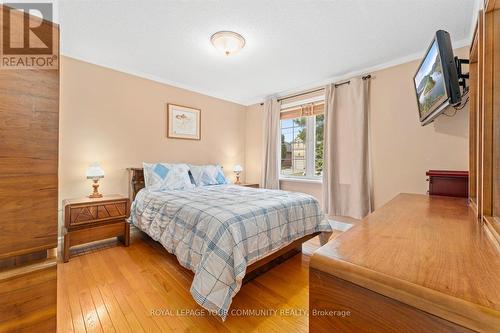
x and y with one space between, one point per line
301 180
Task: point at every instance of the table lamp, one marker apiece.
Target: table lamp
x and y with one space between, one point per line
237 169
95 172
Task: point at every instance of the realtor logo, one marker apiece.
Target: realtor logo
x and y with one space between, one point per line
29 38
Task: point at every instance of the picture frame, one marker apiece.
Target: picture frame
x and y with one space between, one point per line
183 122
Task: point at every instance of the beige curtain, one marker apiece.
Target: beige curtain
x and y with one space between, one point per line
346 167
270 165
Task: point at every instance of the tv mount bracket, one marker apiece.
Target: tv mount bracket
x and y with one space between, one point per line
462 77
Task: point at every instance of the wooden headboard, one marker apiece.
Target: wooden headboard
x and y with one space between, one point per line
136 182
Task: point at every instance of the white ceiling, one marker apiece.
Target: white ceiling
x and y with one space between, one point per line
291 44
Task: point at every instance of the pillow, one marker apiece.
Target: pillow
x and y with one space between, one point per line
200 176
204 175
165 176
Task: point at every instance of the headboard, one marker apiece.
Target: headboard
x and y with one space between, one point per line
136 181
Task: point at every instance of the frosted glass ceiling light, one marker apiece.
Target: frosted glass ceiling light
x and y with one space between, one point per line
228 42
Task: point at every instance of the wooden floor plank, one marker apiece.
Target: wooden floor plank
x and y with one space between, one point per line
90 317
64 319
130 303
102 312
100 273
137 293
143 288
118 318
162 287
141 293
73 298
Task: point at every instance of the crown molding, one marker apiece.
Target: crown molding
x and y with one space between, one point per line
157 79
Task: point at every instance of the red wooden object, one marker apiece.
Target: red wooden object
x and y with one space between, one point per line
448 183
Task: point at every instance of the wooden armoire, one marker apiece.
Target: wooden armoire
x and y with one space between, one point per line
29 135
484 120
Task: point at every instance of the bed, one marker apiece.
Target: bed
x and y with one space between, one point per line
223 232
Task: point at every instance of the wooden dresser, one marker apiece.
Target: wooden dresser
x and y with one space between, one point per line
29 135
484 119
418 264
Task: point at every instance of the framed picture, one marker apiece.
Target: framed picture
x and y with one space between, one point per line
183 122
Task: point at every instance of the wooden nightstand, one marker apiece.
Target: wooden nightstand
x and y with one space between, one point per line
249 185
87 220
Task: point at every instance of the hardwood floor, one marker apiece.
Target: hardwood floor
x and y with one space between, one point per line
143 288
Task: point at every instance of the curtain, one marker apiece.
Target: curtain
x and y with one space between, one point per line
347 189
270 166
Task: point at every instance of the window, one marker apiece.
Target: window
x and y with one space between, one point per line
302 140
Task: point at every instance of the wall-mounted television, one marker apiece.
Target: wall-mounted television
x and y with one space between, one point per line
436 80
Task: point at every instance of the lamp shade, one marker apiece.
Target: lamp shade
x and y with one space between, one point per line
237 168
95 171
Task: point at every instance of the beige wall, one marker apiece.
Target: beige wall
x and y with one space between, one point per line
119 120
402 150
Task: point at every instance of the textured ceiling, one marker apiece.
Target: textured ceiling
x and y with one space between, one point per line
290 44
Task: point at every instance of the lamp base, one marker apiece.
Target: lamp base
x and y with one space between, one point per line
95 193
237 182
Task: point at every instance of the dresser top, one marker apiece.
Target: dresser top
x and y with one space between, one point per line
87 200
429 252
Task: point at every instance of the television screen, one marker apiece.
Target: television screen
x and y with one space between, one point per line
430 83
436 80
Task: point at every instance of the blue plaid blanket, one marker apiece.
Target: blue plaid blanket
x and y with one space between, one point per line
217 231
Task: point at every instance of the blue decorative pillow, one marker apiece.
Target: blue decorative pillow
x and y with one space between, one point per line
220 178
165 176
208 175
161 170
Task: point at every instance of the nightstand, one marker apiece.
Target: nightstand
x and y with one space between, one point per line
87 220
248 185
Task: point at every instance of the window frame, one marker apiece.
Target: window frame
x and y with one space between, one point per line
310 127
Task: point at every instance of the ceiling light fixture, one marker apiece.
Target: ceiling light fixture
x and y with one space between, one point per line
228 42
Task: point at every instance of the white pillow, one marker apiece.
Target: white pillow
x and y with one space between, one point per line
208 175
165 176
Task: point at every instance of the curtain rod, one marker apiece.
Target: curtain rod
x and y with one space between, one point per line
300 94
349 81
320 89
